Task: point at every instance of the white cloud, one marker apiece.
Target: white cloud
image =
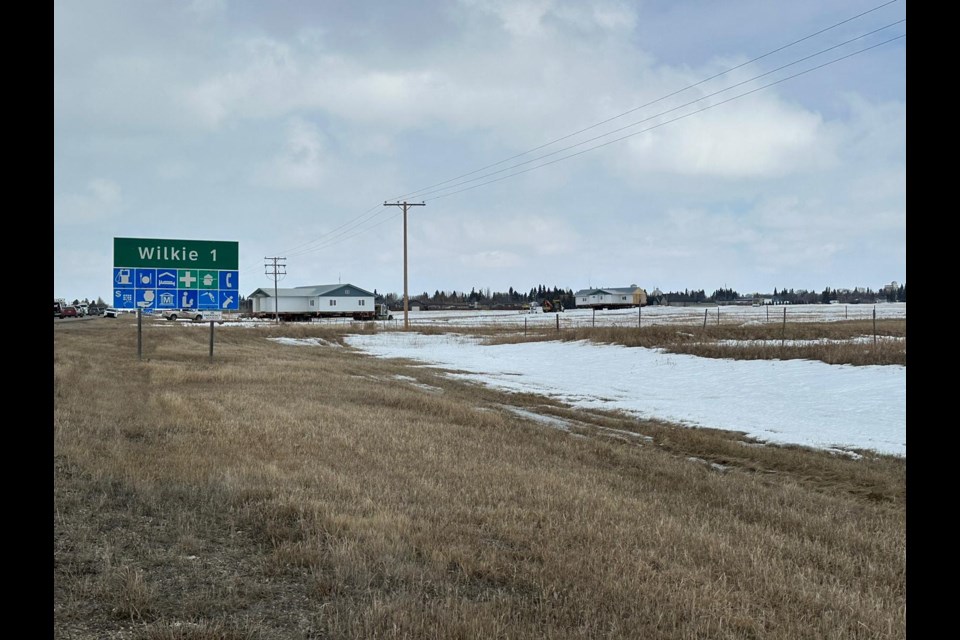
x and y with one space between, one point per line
495 259
101 200
205 9
311 114
486 233
759 137
301 163
614 16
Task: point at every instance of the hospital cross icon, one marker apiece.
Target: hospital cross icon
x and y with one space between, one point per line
187 279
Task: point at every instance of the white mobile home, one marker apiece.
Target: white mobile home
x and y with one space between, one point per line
611 297
315 301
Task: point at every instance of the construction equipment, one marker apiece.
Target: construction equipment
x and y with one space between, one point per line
552 306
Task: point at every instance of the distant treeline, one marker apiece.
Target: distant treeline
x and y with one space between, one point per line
487 298
536 295
794 296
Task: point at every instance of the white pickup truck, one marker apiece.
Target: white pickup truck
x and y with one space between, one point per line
194 315
187 314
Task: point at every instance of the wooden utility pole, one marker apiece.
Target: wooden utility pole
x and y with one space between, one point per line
275 270
406 300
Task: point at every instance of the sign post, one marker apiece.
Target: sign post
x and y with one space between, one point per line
151 274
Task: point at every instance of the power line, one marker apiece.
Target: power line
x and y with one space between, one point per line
334 236
406 205
686 115
275 268
329 242
660 99
347 224
423 194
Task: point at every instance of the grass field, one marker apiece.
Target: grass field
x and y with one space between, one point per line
317 493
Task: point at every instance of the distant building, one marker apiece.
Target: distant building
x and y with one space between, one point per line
412 305
321 299
657 297
611 297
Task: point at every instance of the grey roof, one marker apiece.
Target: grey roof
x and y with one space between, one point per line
309 291
613 290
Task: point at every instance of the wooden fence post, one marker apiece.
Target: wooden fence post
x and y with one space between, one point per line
783 331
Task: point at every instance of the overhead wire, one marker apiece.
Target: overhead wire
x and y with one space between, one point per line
648 104
423 194
356 225
681 117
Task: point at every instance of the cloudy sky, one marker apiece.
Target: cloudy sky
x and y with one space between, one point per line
751 144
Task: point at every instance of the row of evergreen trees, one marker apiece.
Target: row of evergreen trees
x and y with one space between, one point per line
536 295
488 298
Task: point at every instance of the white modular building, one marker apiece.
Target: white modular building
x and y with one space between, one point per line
611 297
313 301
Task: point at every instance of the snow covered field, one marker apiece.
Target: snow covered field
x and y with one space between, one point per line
835 407
645 316
778 401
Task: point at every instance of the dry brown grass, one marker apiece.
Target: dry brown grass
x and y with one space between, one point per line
855 342
312 492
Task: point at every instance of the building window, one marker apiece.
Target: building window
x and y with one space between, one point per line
333 303
362 302
312 302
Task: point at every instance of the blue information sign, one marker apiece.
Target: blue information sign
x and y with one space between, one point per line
153 274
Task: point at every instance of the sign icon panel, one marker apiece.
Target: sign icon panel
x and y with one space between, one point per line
123 278
166 299
166 278
151 274
146 279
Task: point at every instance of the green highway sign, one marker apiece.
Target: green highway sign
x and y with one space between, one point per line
154 274
182 254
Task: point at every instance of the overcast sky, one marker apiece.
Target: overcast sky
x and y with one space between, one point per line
284 126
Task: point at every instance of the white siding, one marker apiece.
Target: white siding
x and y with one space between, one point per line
285 305
344 304
314 304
